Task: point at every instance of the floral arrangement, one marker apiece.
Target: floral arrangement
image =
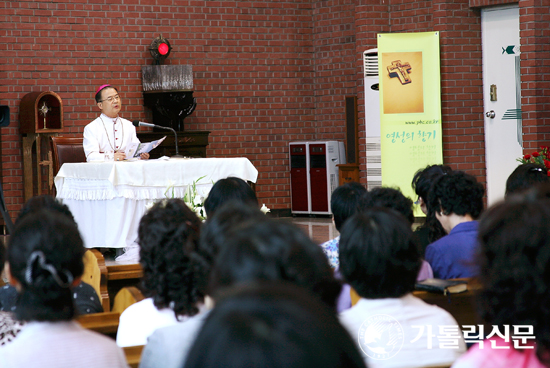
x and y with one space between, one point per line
538 157
195 200
264 209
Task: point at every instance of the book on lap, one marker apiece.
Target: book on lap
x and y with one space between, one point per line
442 286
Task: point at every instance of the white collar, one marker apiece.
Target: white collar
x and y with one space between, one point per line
113 120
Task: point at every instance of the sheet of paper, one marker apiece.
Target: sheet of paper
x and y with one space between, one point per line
136 149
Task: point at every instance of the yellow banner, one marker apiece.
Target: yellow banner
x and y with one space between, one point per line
410 106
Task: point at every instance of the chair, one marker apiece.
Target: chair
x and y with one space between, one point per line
66 149
126 297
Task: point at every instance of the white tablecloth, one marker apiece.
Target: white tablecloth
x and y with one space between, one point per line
108 199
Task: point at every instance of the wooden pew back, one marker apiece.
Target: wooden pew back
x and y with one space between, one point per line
133 355
105 323
125 297
96 275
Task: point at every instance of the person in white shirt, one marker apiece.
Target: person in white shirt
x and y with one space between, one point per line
168 237
393 328
107 137
45 263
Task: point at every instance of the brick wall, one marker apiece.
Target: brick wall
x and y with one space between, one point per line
253 72
266 72
534 18
335 64
461 86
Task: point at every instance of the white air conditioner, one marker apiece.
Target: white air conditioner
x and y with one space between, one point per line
372 119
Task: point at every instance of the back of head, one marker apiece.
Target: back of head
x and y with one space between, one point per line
514 264
389 198
424 178
43 202
272 325
345 201
378 257
227 189
216 230
524 177
458 193
274 250
45 256
168 237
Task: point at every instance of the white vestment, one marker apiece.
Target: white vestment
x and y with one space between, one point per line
104 136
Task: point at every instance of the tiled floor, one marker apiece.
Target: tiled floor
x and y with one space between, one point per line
320 229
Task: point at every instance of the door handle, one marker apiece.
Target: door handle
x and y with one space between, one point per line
490 114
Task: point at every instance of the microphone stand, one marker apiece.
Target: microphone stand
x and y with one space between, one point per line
137 123
177 155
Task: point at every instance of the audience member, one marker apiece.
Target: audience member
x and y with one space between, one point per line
168 346
457 199
344 202
274 250
260 249
381 262
422 181
514 270
524 177
393 198
85 297
45 259
273 325
228 189
9 326
389 198
168 237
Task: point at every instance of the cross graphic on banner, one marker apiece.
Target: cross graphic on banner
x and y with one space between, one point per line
400 71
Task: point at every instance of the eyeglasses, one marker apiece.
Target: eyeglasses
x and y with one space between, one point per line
111 99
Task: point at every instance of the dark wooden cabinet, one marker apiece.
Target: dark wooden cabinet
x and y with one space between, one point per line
190 143
40 117
41 112
348 173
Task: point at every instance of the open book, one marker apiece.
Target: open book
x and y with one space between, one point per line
135 149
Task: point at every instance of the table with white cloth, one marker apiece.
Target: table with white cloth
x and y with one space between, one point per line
108 199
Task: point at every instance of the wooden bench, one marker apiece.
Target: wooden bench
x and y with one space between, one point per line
122 271
105 323
109 277
461 305
133 355
126 297
96 275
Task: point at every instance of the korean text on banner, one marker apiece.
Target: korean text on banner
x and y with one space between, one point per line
410 106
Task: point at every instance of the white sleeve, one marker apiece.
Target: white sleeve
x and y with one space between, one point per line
91 145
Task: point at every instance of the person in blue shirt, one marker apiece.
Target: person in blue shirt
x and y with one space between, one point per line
344 202
457 199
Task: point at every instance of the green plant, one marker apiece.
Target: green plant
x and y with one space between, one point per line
194 200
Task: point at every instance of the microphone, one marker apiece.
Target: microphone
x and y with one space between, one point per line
138 123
